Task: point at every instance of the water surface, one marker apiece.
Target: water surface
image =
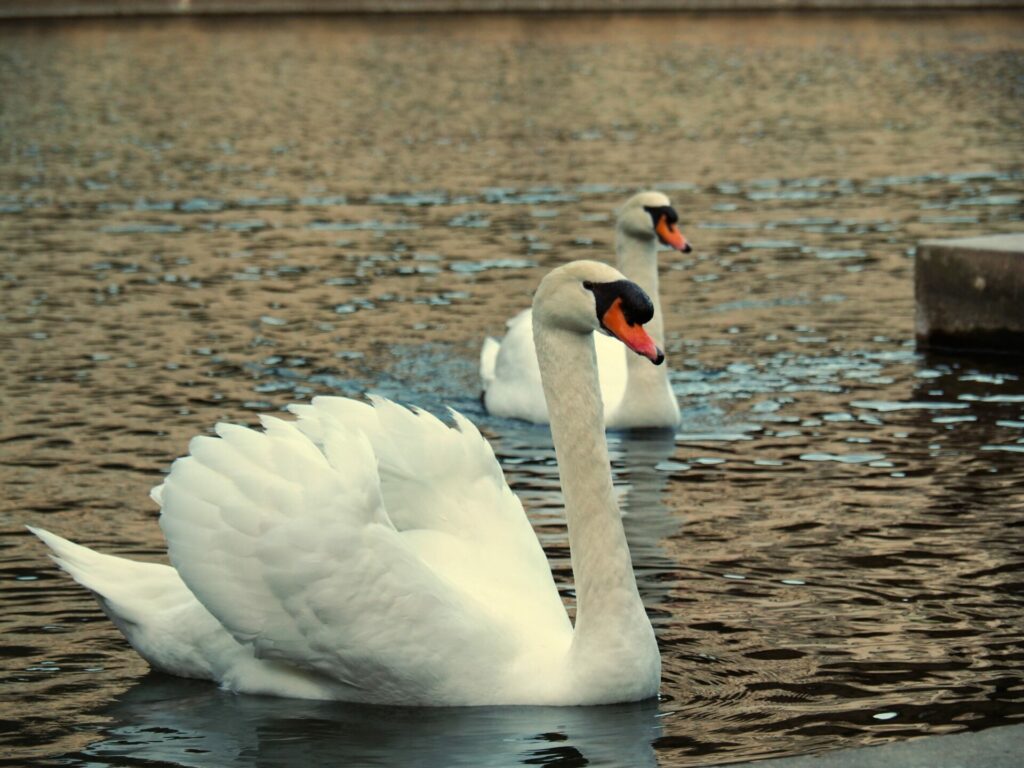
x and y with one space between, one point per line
206 220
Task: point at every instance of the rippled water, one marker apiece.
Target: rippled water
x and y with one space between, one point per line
204 220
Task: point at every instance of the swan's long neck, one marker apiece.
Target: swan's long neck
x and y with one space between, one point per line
609 612
649 400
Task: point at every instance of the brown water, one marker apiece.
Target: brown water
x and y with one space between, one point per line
204 220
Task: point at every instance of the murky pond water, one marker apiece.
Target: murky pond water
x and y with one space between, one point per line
206 220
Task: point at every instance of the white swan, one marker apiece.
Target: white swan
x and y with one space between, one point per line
373 554
635 394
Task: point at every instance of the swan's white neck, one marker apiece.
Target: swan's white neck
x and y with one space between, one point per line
649 400
613 639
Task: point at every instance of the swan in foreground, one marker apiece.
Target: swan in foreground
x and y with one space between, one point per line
635 394
370 553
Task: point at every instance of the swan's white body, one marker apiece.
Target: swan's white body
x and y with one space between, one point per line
635 394
511 376
373 554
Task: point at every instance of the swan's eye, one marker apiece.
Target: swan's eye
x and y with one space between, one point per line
588 285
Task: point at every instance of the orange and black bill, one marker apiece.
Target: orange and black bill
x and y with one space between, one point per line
632 335
622 309
666 226
670 235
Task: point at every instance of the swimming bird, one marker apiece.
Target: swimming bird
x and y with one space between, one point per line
367 552
635 394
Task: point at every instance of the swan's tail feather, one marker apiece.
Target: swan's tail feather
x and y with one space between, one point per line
125 588
151 606
488 360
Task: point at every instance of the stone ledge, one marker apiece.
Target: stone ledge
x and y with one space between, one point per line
970 294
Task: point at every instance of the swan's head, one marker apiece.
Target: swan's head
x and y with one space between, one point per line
650 215
587 296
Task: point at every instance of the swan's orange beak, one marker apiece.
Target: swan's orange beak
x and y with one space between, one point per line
633 336
670 235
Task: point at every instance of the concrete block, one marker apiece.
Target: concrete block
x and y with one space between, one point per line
970 294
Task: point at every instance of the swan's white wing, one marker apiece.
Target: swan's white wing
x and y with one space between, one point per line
289 544
446 494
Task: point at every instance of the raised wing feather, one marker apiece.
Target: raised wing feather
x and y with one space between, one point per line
445 492
375 546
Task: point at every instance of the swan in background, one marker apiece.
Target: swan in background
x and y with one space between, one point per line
370 553
635 394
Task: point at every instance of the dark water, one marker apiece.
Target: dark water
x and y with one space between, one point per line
206 220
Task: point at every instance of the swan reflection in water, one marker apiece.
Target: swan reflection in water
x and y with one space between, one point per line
177 722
